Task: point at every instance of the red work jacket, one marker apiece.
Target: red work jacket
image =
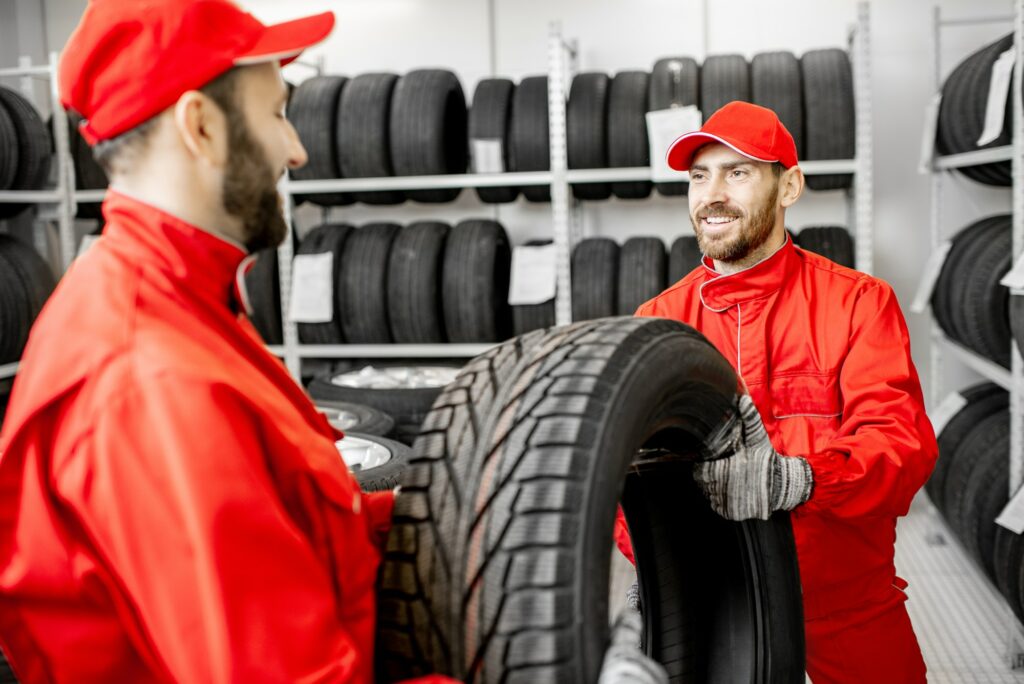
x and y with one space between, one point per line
172 506
825 353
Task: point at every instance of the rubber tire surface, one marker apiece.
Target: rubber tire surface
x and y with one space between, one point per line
595 278
313 111
369 421
9 145
986 493
587 124
363 137
490 118
34 145
829 120
475 281
26 282
415 309
989 434
496 568
263 285
89 175
643 272
675 82
627 130
683 257
386 476
328 238
429 127
530 146
364 284
832 242
1009 563
723 78
1017 319
775 83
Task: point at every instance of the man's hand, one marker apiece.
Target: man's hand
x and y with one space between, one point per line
748 478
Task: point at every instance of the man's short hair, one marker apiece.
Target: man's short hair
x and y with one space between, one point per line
118 154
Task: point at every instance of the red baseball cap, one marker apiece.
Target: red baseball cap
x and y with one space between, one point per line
128 61
753 131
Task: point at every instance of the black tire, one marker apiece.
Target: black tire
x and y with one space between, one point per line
364 284
490 118
6 674
1009 564
1017 320
475 280
628 145
675 82
587 124
723 79
429 130
987 435
358 418
364 146
263 286
986 493
34 145
26 282
595 279
511 583
313 111
829 120
89 175
384 477
775 83
328 238
9 145
528 317
643 272
832 242
683 257
414 308
530 147
983 400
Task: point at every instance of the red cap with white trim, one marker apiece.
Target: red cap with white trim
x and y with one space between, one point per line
128 61
753 131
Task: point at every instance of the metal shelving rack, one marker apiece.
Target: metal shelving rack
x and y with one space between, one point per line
1013 379
565 211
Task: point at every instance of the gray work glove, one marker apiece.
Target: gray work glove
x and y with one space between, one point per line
748 478
624 661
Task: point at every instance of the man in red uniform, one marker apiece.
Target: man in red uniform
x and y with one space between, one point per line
834 426
172 506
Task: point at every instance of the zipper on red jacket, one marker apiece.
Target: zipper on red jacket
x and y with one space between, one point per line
739 339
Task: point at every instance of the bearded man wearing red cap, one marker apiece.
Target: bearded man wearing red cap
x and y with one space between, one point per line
833 425
174 508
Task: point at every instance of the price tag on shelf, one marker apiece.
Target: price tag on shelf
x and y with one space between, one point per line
87 242
1012 517
998 91
663 127
947 408
928 133
312 296
1014 279
533 275
930 276
487 155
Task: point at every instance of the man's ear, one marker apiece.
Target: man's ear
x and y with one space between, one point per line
791 186
202 127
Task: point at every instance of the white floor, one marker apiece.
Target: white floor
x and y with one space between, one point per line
964 626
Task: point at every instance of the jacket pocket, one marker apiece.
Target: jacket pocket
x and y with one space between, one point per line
805 396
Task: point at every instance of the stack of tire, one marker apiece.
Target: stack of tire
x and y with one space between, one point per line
831 242
497 565
26 149
26 282
968 302
378 125
89 175
962 113
609 280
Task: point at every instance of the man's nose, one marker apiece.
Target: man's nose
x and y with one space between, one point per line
297 156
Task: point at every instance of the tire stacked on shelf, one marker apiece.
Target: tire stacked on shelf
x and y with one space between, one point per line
415 306
628 146
775 83
968 302
675 82
363 138
643 272
89 175
475 279
330 239
490 120
26 282
313 111
831 242
263 289
528 134
962 113
595 278
27 149
723 78
829 116
587 131
683 257
363 285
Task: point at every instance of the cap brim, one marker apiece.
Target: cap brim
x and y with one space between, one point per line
681 151
286 41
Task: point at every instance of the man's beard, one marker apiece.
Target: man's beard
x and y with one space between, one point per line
249 191
753 232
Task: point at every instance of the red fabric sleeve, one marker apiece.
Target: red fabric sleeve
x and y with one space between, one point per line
378 507
622 539
172 490
885 448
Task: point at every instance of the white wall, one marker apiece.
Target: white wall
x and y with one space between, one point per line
399 35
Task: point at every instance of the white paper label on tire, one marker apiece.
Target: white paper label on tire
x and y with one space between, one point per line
85 244
1014 278
533 275
998 91
947 408
486 155
931 127
663 127
930 276
1012 516
312 297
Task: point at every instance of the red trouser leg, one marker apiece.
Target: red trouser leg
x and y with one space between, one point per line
881 649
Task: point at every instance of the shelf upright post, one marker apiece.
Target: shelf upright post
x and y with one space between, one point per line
290 331
65 170
863 182
935 219
1017 367
560 209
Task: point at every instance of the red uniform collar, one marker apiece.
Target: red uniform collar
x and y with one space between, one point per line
719 292
203 263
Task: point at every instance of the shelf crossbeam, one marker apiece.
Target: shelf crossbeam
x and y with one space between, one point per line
383 351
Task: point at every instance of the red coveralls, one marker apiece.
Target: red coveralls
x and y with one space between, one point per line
172 506
825 353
